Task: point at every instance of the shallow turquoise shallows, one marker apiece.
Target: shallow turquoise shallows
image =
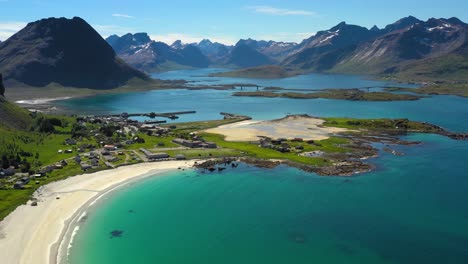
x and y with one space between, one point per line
412 209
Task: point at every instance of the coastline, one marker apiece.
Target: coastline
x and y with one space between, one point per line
38 234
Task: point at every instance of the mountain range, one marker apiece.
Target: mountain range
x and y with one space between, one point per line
149 55
69 52
408 44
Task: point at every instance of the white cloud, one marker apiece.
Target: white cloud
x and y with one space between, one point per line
7 29
280 11
107 30
122 15
169 38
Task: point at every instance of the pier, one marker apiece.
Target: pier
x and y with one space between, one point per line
169 115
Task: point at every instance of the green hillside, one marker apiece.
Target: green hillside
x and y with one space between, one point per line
13 116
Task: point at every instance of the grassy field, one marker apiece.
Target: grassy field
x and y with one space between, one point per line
253 150
380 124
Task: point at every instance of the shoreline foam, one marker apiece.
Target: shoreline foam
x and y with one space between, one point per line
37 234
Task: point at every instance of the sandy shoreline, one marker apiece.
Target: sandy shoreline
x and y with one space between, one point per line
295 126
34 234
39 101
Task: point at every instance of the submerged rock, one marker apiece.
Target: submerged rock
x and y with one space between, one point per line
116 233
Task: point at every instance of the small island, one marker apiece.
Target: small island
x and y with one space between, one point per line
338 94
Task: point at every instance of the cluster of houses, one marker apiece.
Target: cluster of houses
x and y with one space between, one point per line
127 125
51 168
194 143
281 144
19 180
91 163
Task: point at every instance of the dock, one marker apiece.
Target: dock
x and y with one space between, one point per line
169 115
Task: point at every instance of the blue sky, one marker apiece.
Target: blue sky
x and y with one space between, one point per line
224 21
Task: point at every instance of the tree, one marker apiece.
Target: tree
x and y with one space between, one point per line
45 125
5 162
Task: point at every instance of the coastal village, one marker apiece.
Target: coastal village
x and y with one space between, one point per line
93 143
96 143
110 141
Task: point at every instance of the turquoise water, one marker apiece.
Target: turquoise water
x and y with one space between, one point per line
407 211
411 209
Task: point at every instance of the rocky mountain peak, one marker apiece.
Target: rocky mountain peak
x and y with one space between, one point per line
65 51
177 44
402 24
375 28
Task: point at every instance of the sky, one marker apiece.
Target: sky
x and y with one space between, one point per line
224 21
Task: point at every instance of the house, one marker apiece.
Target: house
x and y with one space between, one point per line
161 155
94 162
70 141
194 143
208 145
110 158
9 171
25 180
186 143
37 175
151 155
275 141
180 157
110 147
18 185
69 151
85 166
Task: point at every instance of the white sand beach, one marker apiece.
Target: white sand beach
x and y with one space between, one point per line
41 100
33 234
307 128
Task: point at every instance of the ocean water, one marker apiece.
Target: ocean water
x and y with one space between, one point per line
411 209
